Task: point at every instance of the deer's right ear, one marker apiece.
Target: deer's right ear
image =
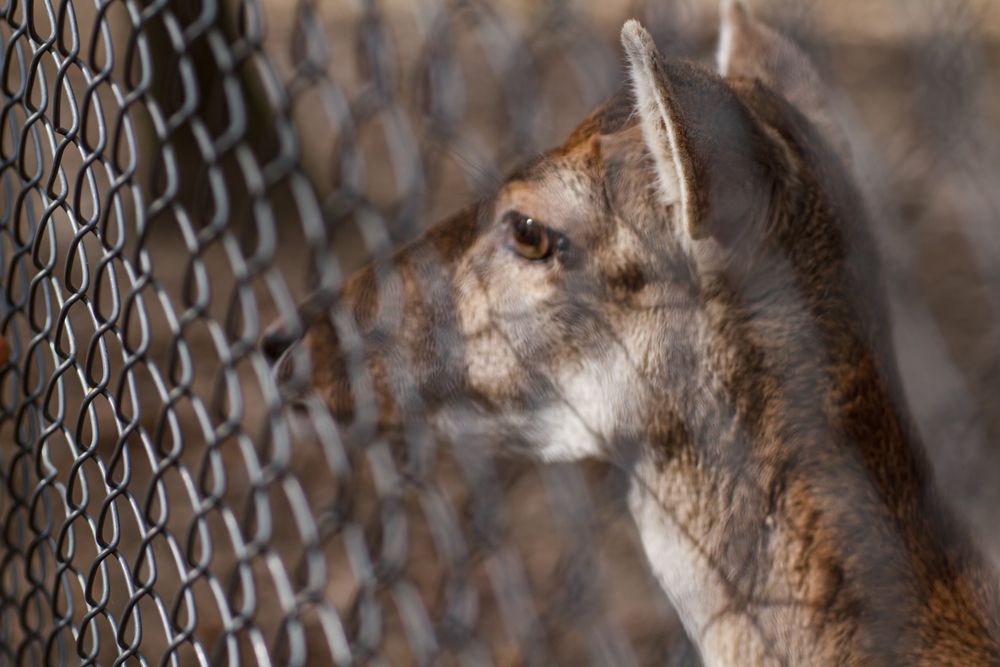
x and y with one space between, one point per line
705 143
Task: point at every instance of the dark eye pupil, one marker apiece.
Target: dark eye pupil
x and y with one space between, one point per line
527 231
530 239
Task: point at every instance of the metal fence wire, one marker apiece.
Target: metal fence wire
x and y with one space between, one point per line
175 174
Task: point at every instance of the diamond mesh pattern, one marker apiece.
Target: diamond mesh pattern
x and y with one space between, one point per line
174 174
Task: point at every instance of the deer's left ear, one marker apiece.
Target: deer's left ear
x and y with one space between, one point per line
706 145
750 49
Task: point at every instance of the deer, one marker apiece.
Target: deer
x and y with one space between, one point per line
687 287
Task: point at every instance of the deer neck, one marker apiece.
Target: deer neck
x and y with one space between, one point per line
800 528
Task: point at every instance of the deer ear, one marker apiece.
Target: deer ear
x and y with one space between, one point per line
704 141
752 50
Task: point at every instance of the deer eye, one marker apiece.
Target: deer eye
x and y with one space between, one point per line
529 238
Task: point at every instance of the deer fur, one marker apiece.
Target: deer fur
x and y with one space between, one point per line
714 323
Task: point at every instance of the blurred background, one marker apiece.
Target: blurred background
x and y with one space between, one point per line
175 175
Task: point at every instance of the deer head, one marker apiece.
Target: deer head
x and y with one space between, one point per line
685 287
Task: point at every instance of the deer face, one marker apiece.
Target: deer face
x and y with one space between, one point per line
529 319
560 315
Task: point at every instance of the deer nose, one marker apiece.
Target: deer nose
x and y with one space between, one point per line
274 343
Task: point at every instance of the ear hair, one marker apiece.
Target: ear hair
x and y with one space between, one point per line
704 141
655 101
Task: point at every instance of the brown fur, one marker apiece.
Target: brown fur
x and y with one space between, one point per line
750 385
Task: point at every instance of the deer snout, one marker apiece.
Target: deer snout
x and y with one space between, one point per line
275 342
277 345
311 360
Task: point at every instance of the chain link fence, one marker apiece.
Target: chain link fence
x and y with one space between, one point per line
175 174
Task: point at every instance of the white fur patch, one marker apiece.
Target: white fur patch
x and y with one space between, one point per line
724 635
727 29
594 406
